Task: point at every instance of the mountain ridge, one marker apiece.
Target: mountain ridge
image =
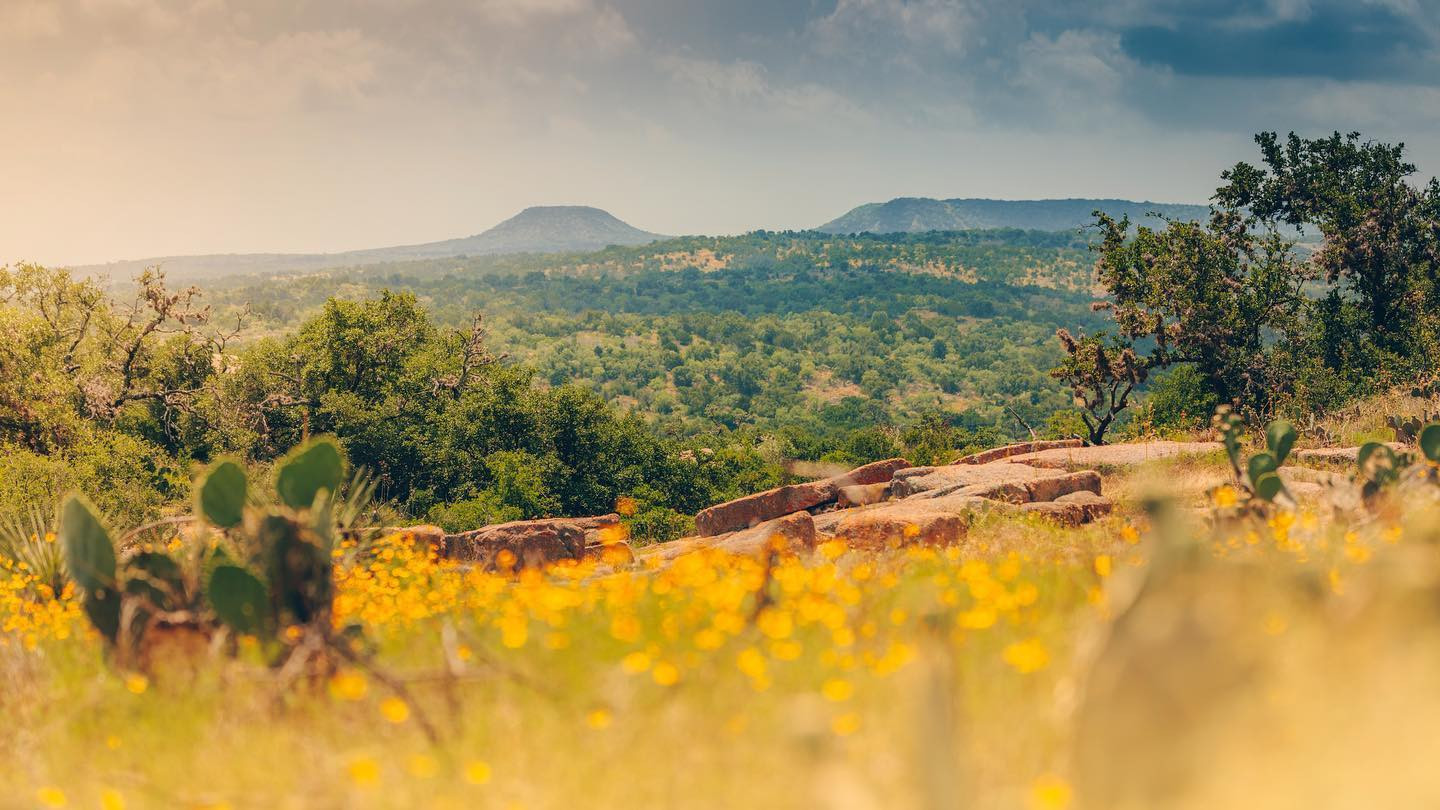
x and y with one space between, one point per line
917 214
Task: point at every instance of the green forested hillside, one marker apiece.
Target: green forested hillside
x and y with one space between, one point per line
918 214
765 330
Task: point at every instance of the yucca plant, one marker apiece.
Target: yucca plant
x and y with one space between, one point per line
28 538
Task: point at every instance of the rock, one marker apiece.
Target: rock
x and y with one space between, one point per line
862 495
1337 454
1115 455
1094 504
533 543
1050 489
877 472
662 553
825 522
998 453
901 524
1291 475
998 480
752 510
794 533
1071 509
952 477
1065 514
433 536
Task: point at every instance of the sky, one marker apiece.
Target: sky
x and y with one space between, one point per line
135 128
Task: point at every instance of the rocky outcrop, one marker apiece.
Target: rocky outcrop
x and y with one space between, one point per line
1009 450
1113 455
1338 454
792 534
876 472
752 510
425 534
862 495
901 523
1073 509
533 543
985 478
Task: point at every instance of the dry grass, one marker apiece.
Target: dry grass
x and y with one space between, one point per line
1276 664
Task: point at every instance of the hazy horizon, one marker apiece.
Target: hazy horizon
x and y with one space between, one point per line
168 127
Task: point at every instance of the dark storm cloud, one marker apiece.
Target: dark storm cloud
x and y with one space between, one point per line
1344 42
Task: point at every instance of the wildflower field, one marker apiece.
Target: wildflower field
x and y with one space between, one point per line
1175 656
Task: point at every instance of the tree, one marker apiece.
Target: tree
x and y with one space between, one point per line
1102 372
1381 248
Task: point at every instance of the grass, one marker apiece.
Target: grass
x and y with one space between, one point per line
1280 663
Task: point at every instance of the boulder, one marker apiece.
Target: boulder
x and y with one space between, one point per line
433 536
877 472
1338 454
752 510
900 524
662 553
930 521
1065 514
1114 455
1053 488
532 543
973 478
862 495
999 453
794 534
1071 509
1095 505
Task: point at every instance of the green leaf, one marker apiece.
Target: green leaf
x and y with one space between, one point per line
1268 486
103 608
88 549
1260 465
222 494
1280 437
308 469
157 577
240 599
1376 452
1430 442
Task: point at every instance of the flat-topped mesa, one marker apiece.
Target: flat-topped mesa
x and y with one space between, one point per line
532 543
752 510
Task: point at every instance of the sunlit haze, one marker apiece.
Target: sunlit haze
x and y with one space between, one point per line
148 127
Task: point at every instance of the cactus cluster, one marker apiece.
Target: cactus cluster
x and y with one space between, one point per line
1259 475
1408 430
265 563
1379 466
1320 434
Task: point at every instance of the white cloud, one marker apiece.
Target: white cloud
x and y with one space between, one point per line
950 25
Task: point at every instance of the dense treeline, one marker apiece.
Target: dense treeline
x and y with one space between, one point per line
768 342
730 360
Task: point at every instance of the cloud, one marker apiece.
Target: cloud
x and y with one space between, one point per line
208 124
1344 41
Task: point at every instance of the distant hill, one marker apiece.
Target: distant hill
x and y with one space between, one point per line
541 229
914 214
